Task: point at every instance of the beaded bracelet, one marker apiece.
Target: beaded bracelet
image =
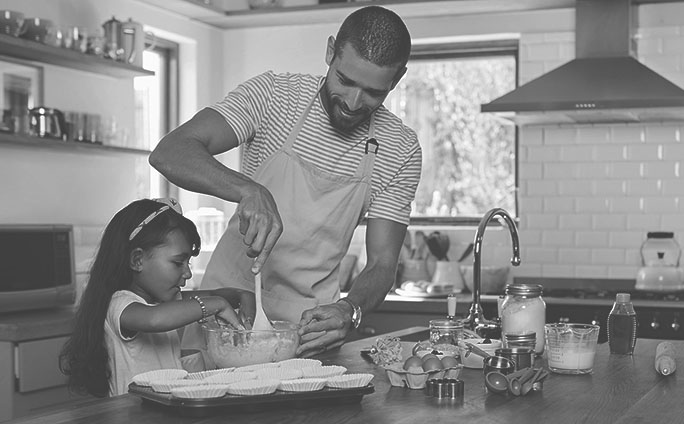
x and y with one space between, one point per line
204 309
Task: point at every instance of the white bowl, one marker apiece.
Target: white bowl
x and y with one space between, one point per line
492 278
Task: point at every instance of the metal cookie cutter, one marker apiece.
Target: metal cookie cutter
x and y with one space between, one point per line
445 388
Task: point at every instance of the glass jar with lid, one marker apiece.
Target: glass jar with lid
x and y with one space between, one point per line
523 310
445 333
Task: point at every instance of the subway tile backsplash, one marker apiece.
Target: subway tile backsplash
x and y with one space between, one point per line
590 193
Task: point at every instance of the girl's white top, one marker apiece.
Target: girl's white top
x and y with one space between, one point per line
129 356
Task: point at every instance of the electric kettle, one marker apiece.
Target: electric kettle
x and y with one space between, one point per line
47 123
660 254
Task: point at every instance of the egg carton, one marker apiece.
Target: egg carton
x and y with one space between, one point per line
417 378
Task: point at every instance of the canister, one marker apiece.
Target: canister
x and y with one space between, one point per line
524 310
445 332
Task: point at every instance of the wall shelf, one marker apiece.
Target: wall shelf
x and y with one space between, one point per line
38 52
30 142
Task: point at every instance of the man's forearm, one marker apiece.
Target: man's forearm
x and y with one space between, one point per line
371 286
190 166
186 157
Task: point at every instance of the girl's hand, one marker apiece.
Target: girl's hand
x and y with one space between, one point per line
247 308
229 316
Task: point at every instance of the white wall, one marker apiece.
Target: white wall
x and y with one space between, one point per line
567 229
590 193
83 189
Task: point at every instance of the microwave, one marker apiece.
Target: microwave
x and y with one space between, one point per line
36 267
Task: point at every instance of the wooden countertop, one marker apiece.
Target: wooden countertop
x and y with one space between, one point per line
38 324
621 389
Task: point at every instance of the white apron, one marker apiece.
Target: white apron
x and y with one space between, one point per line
319 211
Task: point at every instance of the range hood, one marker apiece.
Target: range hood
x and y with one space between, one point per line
604 84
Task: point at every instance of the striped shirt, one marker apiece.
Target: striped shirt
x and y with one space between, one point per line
263 110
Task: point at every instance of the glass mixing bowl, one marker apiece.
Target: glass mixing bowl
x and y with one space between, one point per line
229 347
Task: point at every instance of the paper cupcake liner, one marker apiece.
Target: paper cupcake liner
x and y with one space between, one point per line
257 367
323 371
302 385
253 387
165 386
201 375
229 378
349 381
279 374
300 363
143 379
200 392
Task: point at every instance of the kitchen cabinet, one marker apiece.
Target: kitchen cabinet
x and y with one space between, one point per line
30 378
30 50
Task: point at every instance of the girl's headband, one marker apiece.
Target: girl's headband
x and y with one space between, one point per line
169 203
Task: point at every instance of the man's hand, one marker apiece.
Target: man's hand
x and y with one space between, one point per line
260 224
324 328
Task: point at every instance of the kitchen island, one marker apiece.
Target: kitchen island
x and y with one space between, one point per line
622 389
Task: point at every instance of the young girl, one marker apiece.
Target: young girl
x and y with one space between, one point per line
127 319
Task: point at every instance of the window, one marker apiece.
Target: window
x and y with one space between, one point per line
156 104
21 85
469 157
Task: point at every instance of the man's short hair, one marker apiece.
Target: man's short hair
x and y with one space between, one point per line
377 34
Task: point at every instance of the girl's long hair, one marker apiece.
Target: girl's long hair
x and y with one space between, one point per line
84 358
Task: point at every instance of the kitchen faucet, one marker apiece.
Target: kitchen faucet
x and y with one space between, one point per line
475 320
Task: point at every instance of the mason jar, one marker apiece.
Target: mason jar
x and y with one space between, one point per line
445 332
523 310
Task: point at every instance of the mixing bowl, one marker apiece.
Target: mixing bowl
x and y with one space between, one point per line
229 347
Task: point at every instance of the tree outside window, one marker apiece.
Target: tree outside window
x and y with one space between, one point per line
468 156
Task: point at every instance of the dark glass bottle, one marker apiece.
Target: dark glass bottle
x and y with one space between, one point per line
622 325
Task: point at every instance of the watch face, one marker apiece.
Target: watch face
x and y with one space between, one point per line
356 317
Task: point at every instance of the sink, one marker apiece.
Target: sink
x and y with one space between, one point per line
416 337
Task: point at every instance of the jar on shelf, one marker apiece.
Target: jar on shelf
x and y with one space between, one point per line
522 311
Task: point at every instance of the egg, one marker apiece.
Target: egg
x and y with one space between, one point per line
429 356
432 364
413 362
449 362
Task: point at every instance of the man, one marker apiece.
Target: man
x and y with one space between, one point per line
319 154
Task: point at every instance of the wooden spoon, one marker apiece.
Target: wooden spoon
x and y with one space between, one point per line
261 322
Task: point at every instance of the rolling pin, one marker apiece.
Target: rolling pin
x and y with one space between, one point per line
665 358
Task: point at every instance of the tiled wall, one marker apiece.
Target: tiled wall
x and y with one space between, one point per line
589 193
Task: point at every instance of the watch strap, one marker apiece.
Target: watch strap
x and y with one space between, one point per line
356 311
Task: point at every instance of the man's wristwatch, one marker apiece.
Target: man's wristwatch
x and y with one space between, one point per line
356 312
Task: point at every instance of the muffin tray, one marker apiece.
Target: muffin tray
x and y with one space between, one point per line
206 407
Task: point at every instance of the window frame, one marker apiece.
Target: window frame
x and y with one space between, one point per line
170 88
461 50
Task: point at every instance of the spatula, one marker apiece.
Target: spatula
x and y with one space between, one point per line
261 322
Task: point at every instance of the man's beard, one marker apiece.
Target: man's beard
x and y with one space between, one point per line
340 117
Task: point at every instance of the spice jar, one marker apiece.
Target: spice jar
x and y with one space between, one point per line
445 332
524 310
